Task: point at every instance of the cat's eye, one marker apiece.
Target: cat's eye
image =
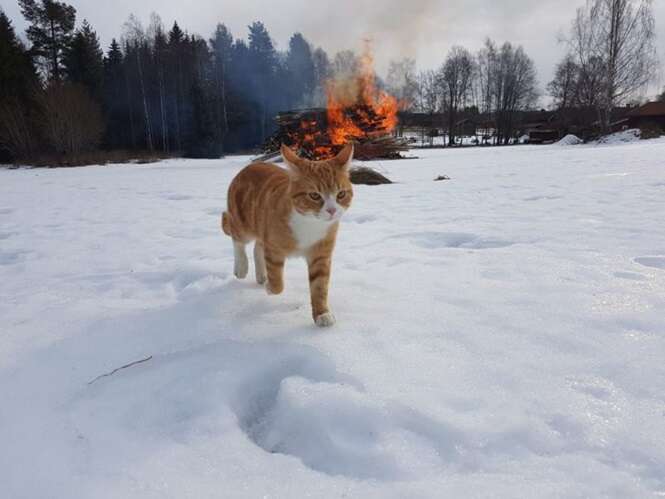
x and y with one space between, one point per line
341 195
315 196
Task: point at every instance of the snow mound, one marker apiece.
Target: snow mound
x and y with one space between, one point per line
623 137
570 140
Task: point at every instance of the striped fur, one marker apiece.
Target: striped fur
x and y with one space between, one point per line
288 213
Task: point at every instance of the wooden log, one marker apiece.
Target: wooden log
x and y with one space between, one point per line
362 175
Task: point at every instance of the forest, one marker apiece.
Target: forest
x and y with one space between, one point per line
153 89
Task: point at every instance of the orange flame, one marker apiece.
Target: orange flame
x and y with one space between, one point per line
357 109
356 112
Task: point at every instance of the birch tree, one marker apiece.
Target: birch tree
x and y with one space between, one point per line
614 43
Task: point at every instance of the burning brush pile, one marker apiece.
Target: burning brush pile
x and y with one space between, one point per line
356 112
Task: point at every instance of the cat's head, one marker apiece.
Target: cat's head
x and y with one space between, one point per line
320 189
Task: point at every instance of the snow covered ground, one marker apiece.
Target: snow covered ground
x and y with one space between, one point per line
501 334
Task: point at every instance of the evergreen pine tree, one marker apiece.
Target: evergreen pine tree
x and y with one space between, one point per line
115 99
300 71
18 84
175 90
50 31
243 107
84 60
17 72
263 63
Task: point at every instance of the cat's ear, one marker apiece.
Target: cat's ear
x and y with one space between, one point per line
291 159
345 157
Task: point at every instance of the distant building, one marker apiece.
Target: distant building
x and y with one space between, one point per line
650 115
543 135
540 126
467 127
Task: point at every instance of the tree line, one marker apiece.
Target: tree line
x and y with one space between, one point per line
166 91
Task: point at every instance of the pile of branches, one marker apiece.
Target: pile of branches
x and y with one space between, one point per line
306 132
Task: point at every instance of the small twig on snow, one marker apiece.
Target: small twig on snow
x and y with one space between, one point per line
126 366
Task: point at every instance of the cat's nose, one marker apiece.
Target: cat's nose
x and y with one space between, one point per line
331 211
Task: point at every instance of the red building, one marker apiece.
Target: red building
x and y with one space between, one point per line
650 115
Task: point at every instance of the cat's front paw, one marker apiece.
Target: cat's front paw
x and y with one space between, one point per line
325 320
274 289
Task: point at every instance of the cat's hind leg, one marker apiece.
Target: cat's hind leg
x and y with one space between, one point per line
241 263
260 263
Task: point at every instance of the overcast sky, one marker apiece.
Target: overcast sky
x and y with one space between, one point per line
422 29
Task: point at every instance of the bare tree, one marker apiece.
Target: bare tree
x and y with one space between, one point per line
222 46
614 43
322 73
16 130
401 81
486 63
590 84
426 96
72 120
576 90
564 88
455 80
515 89
345 64
506 85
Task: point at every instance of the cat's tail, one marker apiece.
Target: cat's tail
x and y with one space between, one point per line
226 223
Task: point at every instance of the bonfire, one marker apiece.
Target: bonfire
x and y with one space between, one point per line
357 111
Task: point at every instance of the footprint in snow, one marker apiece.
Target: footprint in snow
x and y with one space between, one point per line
437 240
543 198
214 212
593 386
656 262
631 276
333 427
12 257
360 219
177 197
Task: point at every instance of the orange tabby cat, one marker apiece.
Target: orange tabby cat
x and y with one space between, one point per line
290 212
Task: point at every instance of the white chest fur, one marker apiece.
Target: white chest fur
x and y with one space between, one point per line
308 230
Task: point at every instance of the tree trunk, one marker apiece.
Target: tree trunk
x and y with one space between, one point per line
148 126
54 54
162 111
132 131
225 116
